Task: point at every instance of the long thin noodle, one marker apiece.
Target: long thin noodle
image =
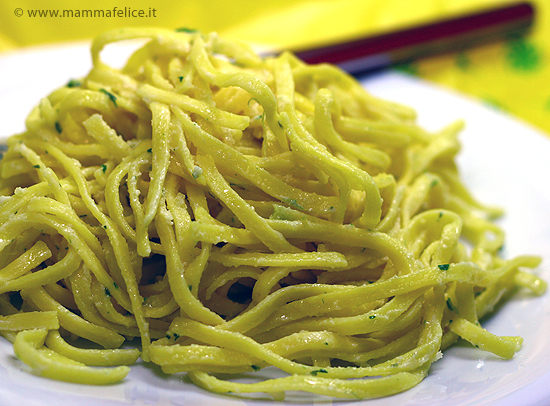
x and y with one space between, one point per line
236 212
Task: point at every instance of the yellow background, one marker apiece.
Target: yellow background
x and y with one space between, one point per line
512 75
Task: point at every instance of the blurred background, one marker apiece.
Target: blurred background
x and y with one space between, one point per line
512 75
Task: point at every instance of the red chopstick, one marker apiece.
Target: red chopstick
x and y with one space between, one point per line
381 51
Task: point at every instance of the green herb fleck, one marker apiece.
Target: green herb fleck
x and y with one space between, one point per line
372 317
450 304
111 96
318 371
58 127
150 150
443 267
115 285
74 83
107 293
36 166
103 168
174 336
255 367
293 203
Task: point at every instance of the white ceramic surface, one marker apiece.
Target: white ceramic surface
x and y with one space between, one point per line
504 161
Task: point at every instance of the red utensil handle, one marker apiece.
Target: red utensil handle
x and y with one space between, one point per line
380 51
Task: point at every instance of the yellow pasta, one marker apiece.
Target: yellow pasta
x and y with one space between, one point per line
236 212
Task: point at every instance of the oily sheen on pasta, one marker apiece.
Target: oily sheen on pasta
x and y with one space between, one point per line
230 212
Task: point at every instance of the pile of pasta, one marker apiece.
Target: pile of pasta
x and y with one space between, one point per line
233 212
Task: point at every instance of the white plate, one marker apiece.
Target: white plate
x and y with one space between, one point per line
503 161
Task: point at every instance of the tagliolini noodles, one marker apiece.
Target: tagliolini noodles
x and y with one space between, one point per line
235 212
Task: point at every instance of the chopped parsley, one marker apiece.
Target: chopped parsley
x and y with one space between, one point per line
74 83
450 304
174 336
293 203
111 96
443 267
